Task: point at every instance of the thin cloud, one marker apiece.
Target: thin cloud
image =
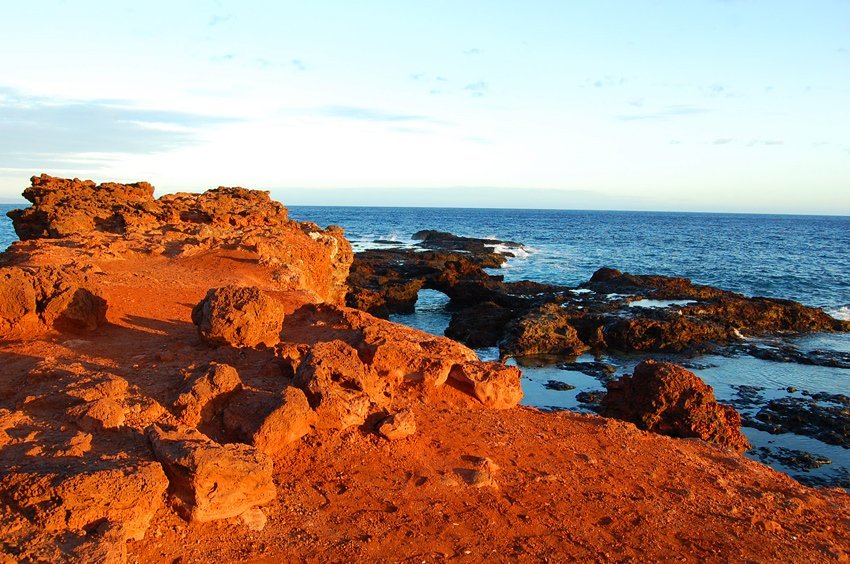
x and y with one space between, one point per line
56 132
477 89
298 65
666 113
219 19
722 141
473 51
370 114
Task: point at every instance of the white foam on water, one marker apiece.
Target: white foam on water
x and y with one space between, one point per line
842 312
518 252
581 291
660 303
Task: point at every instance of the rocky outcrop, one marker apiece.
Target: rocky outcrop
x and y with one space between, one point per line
611 311
362 365
121 219
206 392
495 385
36 299
545 330
239 316
664 398
271 422
209 481
124 496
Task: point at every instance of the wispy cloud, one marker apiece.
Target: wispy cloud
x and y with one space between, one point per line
218 19
370 114
666 113
477 89
765 142
298 65
473 51
59 131
722 141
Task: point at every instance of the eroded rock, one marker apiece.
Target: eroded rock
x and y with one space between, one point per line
398 425
239 316
337 384
665 398
210 481
205 393
126 496
495 385
269 421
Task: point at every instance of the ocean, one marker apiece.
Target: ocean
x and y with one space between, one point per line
803 258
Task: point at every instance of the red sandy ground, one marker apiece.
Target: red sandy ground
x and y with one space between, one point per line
568 486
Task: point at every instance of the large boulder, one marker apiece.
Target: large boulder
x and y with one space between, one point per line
239 316
545 330
495 385
271 422
36 299
210 481
664 398
206 392
337 384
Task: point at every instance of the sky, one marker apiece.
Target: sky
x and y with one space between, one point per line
702 105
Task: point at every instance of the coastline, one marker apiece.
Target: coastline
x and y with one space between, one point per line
472 482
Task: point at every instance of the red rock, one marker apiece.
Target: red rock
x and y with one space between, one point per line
98 415
240 316
664 398
210 481
57 500
270 422
33 300
205 393
337 384
398 425
497 386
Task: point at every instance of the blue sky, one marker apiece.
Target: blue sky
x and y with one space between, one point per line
704 105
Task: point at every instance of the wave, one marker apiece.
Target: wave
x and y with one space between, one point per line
842 312
518 252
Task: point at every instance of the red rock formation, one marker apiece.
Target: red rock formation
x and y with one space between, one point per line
270 422
664 398
36 299
210 481
239 317
206 393
118 219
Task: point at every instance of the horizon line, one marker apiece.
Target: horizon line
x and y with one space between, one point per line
507 208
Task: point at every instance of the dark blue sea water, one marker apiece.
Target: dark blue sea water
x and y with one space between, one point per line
804 258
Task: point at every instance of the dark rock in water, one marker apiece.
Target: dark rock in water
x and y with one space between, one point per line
530 318
599 370
591 399
789 353
665 398
747 396
447 241
480 325
545 330
690 365
558 386
796 459
825 417
838 478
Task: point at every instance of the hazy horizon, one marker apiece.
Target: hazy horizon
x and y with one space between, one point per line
710 105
